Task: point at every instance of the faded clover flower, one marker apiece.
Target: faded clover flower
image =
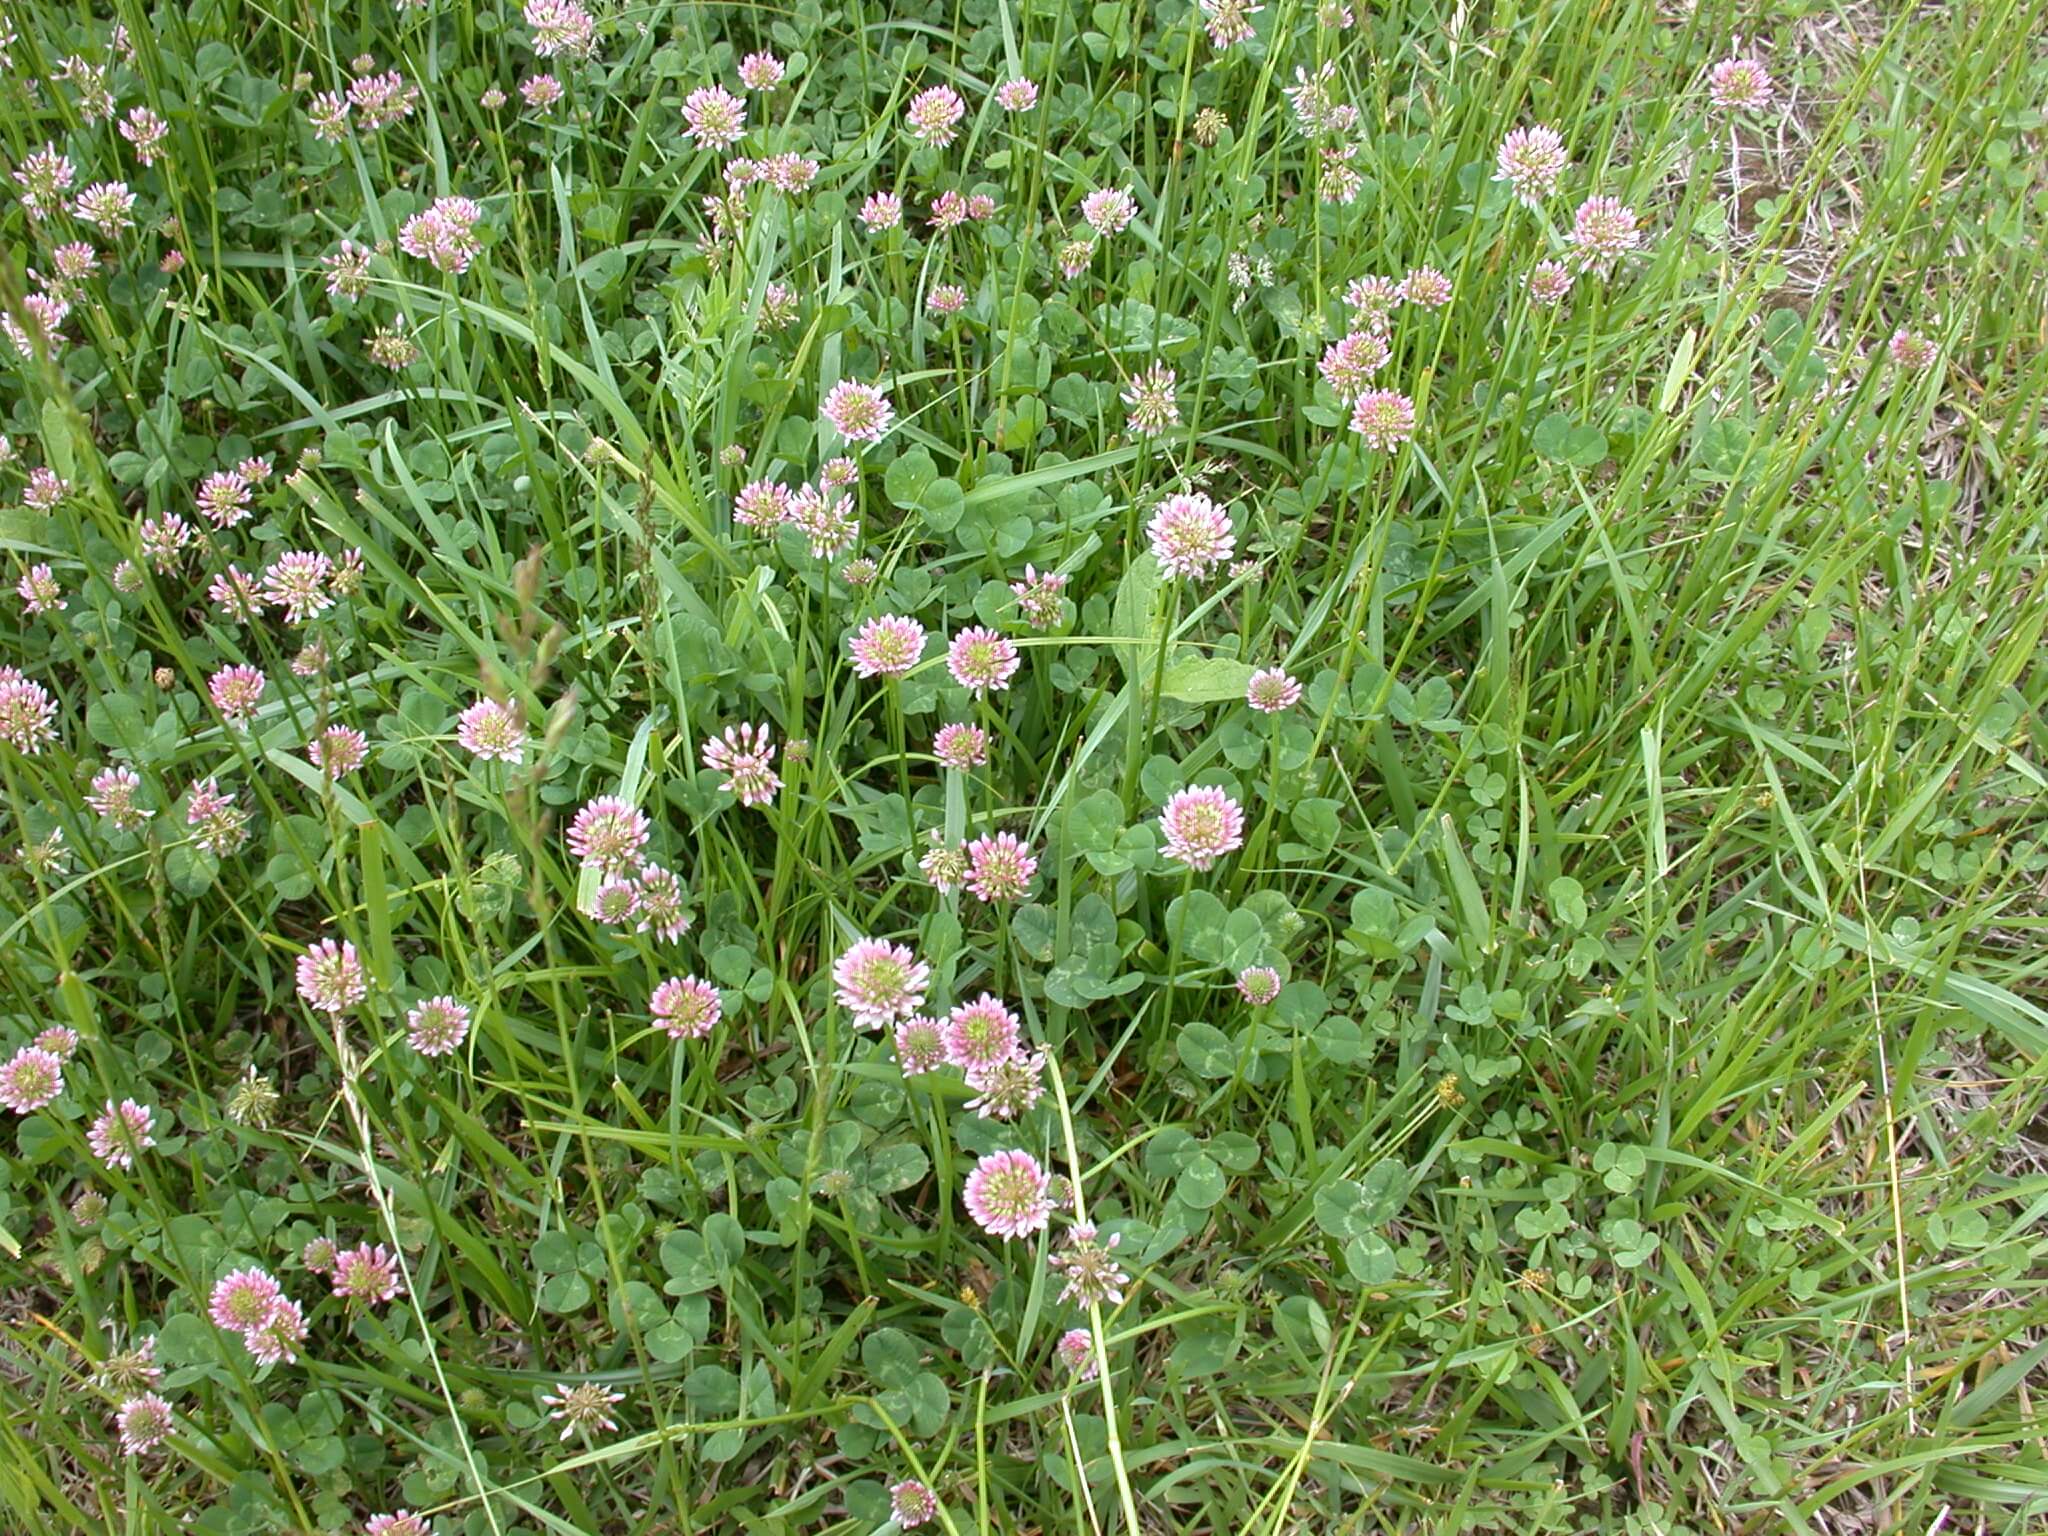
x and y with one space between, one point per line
252 1101
131 1370
1039 597
944 865
1007 1088
44 176
1093 1276
1151 401
389 347
218 825
348 270
585 1408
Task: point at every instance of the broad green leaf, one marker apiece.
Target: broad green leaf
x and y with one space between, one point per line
1206 1050
1205 680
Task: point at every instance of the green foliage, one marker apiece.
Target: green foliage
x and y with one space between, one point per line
1638 1130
